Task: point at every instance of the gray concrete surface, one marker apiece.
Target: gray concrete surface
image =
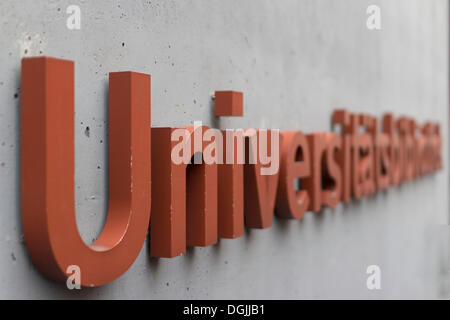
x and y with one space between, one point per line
295 61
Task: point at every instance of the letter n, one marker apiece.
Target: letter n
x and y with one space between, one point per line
184 195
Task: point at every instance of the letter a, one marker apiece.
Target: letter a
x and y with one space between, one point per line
374 20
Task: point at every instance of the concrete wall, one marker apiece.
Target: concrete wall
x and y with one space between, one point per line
295 61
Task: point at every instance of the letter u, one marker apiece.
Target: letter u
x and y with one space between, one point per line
47 142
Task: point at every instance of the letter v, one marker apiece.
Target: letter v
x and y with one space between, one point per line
260 192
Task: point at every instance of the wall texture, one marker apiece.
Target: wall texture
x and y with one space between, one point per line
295 61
